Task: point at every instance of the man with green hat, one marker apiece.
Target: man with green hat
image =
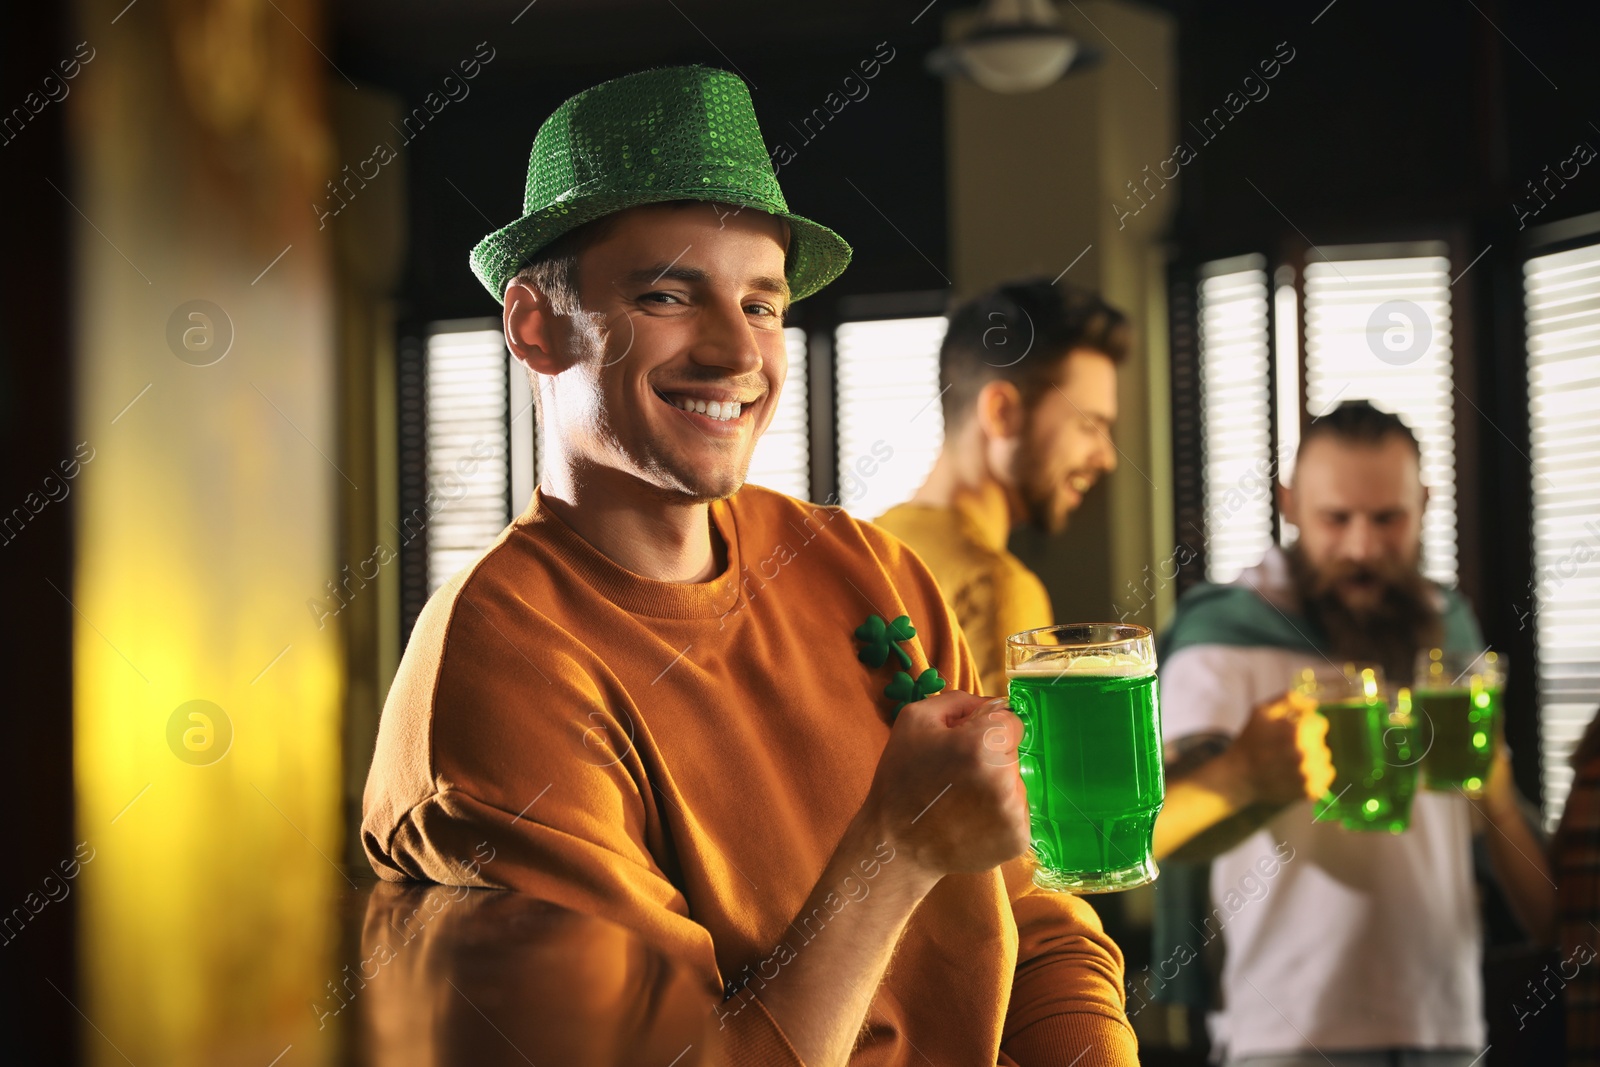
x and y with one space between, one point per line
739 724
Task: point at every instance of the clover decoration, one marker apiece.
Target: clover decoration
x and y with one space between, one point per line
903 690
881 639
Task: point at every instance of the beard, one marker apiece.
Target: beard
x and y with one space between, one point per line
1040 488
1391 631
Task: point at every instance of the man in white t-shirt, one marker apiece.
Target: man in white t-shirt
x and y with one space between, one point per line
1340 947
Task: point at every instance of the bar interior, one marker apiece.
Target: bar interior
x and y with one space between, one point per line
674 532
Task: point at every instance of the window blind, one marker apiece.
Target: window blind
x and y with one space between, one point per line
1286 362
1378 327
1562 294
468 477
890 424
1236 414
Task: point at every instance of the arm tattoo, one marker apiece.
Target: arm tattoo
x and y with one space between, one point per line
1189 753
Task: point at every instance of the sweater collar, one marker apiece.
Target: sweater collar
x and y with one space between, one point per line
634 592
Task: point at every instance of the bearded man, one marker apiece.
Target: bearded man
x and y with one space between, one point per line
1341 948
1028 373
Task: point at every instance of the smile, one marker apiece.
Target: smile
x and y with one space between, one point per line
717 411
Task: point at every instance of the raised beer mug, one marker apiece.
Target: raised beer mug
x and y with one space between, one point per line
1457 698
1374 745
1090 756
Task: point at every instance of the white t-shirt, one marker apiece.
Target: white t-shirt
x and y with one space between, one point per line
1356 939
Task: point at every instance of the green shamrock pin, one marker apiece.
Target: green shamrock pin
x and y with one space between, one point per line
902 690
882 638
879 639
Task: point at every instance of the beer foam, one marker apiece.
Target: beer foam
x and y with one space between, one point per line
1110 665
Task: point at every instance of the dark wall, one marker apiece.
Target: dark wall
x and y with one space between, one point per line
1388 114
38 1023
467 166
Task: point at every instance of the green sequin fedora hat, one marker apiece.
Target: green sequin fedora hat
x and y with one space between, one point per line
671 133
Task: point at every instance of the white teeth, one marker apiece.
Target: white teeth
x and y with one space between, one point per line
1080 484
711 409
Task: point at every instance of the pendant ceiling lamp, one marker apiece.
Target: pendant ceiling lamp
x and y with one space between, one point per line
1017 46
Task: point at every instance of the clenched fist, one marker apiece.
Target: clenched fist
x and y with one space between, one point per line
1283 751
947 791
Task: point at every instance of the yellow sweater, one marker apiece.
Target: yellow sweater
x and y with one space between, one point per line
994 594
684 758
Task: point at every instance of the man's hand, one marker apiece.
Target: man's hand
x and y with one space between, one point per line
1217 796
947 793
1282 752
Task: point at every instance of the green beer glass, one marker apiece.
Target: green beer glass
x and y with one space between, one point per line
1374 747
1458 703
1090 756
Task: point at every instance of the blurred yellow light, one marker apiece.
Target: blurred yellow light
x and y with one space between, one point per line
205 521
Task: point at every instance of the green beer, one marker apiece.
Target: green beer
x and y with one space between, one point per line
1459 696
1090 757
1091 762
1464 725
1375 756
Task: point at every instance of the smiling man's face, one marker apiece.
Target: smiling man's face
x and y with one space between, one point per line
677 354
1066 445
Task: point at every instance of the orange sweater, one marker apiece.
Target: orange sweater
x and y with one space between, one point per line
684 758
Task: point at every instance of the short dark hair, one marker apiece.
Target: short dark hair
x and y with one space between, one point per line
1358 422
553 270
1019 332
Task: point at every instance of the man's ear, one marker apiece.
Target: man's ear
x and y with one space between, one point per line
1286 504
1000 413
531 329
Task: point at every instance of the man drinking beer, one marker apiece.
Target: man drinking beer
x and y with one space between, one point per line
1359 948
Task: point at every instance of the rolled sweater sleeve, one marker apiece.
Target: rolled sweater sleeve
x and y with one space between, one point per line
1067 1001
542 860
573 819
